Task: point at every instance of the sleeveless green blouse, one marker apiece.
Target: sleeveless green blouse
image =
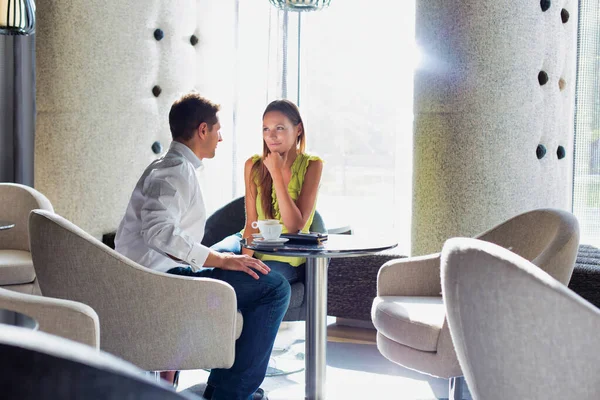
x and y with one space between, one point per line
299 168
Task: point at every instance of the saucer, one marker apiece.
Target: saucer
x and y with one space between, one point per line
257 235
272 242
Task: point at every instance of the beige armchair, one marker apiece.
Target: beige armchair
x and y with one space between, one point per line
409 313
16 267
154 320
518 332
68 319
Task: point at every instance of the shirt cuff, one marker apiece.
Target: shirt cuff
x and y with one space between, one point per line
197 256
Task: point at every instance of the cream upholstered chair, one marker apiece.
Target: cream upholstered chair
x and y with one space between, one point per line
154 320
68 319
16 267
36 365
518 332
408 311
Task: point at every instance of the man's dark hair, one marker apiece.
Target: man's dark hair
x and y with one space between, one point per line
188 113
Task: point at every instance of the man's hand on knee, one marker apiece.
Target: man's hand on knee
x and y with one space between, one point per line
234 262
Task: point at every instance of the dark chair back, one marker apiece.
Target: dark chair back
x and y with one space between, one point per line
231 218
40 366
226 221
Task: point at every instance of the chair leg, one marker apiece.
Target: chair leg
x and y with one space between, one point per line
455 388
176 379
154 375
170 377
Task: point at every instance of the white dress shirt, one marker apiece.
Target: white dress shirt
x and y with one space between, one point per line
166 214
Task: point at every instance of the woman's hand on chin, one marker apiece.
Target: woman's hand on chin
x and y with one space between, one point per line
275 162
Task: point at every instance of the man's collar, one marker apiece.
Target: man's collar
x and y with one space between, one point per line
187 153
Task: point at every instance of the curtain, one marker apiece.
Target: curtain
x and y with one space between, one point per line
17 108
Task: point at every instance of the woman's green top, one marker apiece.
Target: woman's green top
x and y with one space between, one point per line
294 188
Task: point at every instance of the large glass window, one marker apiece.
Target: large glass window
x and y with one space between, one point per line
356 93
350 70
264 53
586 191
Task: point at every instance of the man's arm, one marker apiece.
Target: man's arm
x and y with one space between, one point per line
161 214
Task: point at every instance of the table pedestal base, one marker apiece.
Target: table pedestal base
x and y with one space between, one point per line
316 327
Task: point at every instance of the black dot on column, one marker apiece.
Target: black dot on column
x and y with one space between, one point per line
545 4
542 78
540 152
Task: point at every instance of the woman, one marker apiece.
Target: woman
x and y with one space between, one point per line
281 184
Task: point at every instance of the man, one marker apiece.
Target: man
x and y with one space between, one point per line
162 230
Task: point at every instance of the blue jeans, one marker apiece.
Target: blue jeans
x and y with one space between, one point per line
263 303
231 244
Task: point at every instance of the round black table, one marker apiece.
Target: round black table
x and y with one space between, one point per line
6 225
317 257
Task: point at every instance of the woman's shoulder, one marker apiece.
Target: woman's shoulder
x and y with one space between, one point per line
306 159
252 160
311 157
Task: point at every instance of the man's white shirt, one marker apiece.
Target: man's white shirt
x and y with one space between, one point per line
166 214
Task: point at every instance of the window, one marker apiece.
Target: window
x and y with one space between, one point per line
350 70
356 95
586 180
260 71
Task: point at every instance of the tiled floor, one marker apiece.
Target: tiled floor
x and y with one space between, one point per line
355 370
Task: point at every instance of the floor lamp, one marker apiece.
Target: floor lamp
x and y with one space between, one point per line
17 90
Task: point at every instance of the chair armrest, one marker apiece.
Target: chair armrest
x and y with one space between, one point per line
189 323
65 318
415 276
198 323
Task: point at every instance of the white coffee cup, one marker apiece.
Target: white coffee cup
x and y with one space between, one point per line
270 229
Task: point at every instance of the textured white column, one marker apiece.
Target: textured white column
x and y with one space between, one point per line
99 110
481 112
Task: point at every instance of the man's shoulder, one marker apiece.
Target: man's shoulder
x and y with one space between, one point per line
173 169
172 162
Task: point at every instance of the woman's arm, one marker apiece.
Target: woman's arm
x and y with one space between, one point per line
296 214
250 202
